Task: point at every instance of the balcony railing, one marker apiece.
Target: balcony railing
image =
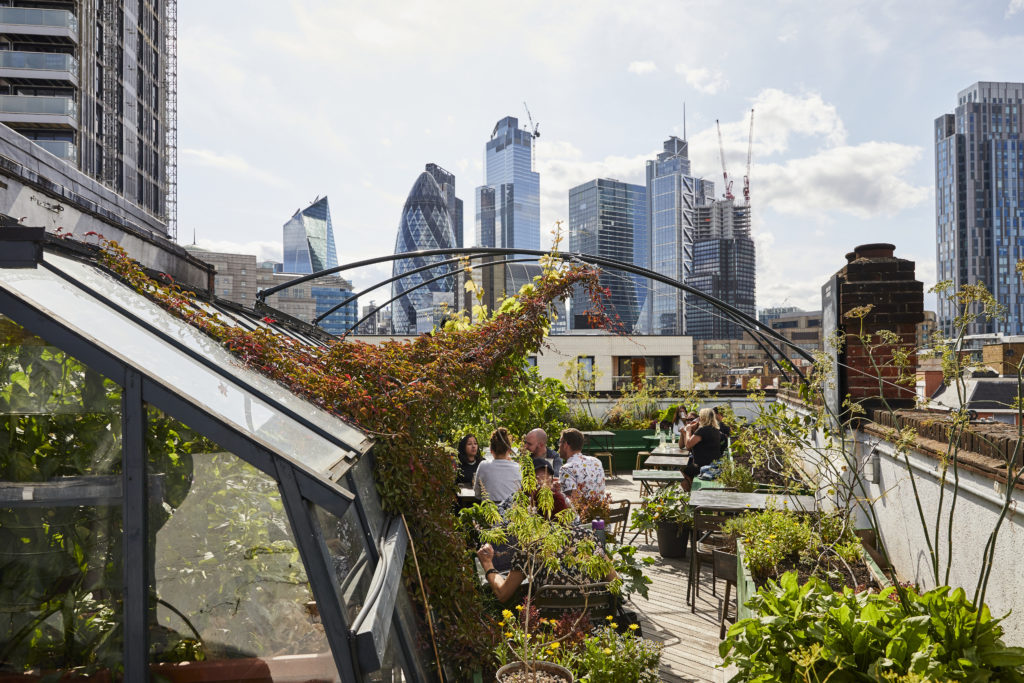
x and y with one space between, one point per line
42 61
25 16
658 382
34 104
59 148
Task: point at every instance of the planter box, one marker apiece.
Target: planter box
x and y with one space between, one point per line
673 539
745 587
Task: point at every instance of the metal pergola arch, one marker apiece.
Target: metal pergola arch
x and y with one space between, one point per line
300 486
761 333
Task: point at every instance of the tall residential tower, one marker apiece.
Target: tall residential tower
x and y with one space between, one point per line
979 190
92 83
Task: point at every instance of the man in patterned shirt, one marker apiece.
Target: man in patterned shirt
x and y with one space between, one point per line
579 472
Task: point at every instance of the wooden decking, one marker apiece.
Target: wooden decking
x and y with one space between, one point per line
690 639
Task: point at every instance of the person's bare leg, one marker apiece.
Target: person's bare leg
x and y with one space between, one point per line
687 482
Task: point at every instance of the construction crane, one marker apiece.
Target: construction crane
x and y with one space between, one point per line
750 150
725 174
534 128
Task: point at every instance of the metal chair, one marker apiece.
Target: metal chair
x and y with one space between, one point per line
724 565
618 518
706 522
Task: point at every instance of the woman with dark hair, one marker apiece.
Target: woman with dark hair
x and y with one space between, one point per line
469 459
499 478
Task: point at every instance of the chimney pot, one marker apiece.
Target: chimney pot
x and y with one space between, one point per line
877 250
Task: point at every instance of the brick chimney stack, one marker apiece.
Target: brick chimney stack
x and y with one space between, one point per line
874 276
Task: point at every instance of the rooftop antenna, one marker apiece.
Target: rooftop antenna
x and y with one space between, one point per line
684 121
193 235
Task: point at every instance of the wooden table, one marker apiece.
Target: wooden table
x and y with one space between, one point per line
648 477
733 500
665 460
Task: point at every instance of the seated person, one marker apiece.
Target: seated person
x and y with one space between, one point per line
725 429
504 587
703 439
469 459
498 479
546 479
579 472
536 442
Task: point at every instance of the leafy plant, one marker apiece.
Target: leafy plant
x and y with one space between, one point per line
590 505
812 633
612 657
631 578
733 475
670 504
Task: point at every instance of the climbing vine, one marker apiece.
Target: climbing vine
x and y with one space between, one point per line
411 396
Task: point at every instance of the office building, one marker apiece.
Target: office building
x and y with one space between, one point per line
446 181
309 239
673 196
979 187
724 266
514 196
605 218
766 315
93 84
425 224
239 277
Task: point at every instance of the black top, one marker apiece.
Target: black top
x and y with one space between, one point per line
709 448
467 471
726 433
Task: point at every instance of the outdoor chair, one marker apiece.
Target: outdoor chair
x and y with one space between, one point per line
706 524
608 456
724 565
618 519
640 457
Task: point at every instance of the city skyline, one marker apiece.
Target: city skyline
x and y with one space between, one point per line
842 143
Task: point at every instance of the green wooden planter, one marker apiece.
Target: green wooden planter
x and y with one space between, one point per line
745 587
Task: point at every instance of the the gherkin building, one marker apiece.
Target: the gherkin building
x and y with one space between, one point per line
425 224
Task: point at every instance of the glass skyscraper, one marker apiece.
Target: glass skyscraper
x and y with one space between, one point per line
309 240
446 181
724 266
979 190
605 218
425 224
673 196
515 188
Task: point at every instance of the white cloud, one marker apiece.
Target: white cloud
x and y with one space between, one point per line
230 163
1014 7
703 79
641 68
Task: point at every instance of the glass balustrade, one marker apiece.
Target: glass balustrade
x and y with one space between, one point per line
49 61
30 104
59 148
26 16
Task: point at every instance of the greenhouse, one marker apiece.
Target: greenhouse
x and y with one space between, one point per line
169 514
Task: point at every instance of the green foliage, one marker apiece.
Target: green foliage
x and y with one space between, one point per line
811 633
612 657
667 504
637 408
736 476
527 401
629 568
771 537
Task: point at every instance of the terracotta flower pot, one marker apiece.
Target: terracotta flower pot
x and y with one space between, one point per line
547 667
673 539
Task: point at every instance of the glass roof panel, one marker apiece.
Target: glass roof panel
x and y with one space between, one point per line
213 391
120 294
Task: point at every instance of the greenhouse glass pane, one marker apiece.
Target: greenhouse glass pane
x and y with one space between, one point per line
212 391
60 515
232 596
146 310
351 563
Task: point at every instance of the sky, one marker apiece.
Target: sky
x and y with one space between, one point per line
279 103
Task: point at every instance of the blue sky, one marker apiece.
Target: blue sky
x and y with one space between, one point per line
285 101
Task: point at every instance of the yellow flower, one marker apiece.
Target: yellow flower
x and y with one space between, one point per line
610 618
519 608
607 650
633 627
613 625
501 623
508 634
555 646
507 614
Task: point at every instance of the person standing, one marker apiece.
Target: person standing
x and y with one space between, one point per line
704 441
579 472
536 442
500 478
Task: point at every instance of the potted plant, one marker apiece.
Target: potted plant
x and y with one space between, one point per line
667 513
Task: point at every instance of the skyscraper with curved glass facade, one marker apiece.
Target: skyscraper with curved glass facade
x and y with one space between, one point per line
425 224
309 240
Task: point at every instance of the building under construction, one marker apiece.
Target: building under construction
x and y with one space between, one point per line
93 83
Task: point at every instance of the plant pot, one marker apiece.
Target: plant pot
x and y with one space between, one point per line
547 667
673 539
